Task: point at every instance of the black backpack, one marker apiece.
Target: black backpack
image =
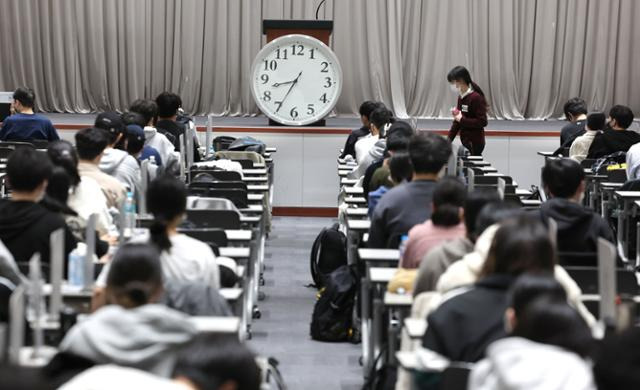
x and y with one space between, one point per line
333 313
329 251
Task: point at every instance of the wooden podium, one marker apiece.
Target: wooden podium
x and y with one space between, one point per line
319 29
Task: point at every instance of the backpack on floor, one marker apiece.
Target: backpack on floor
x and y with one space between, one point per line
332 316
329 251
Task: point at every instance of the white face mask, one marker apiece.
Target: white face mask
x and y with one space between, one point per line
454 88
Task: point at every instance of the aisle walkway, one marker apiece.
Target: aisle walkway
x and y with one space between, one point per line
283 330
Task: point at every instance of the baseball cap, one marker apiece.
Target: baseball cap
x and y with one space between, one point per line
110 121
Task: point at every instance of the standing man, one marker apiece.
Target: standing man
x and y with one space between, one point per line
25 125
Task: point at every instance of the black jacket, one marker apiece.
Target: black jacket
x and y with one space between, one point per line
25 228
464 325
173 130
350 145
611 141
578 228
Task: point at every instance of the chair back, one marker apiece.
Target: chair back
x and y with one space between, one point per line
205 218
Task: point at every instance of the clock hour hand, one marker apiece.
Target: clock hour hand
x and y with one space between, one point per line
285 83
293 84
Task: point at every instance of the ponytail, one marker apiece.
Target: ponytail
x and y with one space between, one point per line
135 275
138 293
159 236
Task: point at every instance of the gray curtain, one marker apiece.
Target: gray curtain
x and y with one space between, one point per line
529 56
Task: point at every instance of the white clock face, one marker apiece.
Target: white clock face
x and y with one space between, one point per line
296 80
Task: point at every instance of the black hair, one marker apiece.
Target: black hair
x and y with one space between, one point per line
429 152
166 200
398 135
400 168
380 117
134 118
473 205
494 212
57 193
168 104
368 107
147 108
90 143
63 155
25 96
460 73
562 177
617 361
28 168
623 115
575 107
210 360
596 121
135 274
543 314
521 244
448 197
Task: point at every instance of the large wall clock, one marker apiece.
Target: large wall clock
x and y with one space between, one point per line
296 80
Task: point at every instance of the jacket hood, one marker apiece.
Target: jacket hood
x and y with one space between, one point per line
112 159
143 337
620 140
516 363
565 212
16 217
149 132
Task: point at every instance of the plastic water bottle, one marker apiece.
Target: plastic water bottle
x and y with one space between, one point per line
403 245
75 270
129 215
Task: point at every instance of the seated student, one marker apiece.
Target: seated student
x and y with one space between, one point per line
183 258
25 125
25 225
208 362
116 161
409 204
547 347
616 361
397 140
580 146
367 153
436 261
444 225
83 194
464 325
168 106
90 144
578 227
400 171
135 124
616 138
365 110
149 110
575 110
133 330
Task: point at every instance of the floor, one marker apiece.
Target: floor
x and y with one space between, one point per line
283 330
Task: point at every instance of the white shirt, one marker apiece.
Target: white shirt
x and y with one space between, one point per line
633 162
363 146
580 147
86 199
158 141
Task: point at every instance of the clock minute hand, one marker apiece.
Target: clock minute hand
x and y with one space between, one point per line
285 83
293 84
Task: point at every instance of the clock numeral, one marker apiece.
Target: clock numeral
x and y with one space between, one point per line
281 54
294 113
325 67
266 96
311 56
328 83
297 50
270 65
264 78
323 98
279 104
310 109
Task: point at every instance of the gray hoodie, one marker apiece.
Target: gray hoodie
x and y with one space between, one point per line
375 153
122 166
145 337
516 363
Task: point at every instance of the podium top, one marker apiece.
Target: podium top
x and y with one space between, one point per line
271 24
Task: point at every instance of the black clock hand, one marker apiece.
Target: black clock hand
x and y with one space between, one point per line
285 83
293 84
